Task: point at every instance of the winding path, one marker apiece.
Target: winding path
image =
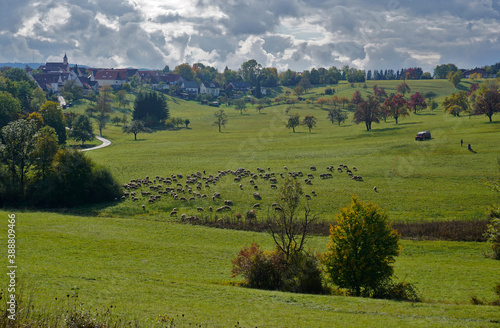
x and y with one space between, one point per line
105 143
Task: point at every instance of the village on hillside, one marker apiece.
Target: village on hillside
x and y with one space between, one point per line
52 77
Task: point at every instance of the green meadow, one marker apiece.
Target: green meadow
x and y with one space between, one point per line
148 265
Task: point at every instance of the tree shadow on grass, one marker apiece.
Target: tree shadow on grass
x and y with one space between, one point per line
410 123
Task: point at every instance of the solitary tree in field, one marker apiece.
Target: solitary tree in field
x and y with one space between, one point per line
396 106
357 98
336 115
293 122
368 112
290 226
362 248
136 127
487 102
456 103
417 102
240 105
309 121
403 88
220 119
321 102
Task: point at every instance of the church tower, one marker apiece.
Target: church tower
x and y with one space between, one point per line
65 62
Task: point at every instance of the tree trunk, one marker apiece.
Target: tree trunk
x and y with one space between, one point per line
135 136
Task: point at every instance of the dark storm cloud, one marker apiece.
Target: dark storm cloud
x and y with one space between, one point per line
13 14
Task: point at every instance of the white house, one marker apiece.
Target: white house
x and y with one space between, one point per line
211 88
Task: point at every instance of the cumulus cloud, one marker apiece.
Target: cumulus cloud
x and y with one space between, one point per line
292 34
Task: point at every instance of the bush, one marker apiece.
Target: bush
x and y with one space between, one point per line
74 180
260 269
492 235
271 271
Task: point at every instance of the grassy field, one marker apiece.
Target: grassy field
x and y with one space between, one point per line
431 180
145 264
146 267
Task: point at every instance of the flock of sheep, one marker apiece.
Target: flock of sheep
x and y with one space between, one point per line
197 186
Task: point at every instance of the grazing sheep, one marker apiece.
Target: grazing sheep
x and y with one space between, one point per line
310 176
313 192
184 199
285 168
375 189
241 186
192 199
273 186
210 208
144 207
313 168
278 209
256 187
200 209
354 168
228 202
257 205
307 196
183 216
174 212
274 205
257 196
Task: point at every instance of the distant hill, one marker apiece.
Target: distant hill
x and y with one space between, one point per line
32 65
22 65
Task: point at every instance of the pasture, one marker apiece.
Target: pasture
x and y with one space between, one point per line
144 268
431 180
145 264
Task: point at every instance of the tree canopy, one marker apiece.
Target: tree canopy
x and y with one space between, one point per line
151 108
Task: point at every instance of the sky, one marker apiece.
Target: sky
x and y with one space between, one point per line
286 34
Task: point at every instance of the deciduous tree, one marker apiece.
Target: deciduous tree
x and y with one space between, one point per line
19 139
396 106
46 147
403 88
417 102
220 119
362 248
136 127
487 102
290 226
10 108
309 121
53 116
336 115
456 103
368 112
240 105
293 122
82 129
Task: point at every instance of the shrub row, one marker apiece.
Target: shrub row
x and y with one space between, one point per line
455 230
